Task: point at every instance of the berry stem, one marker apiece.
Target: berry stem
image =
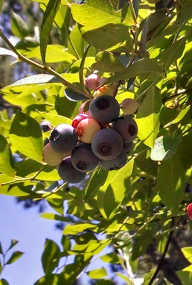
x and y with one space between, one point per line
44 68
81 77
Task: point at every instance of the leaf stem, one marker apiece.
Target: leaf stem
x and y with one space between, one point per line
44 68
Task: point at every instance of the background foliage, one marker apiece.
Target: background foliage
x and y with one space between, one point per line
139 210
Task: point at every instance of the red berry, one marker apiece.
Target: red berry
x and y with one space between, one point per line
86 129
78 119
189 211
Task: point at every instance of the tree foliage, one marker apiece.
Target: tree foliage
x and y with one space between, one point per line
138 210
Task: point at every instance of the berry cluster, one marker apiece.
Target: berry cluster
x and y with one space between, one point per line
98 136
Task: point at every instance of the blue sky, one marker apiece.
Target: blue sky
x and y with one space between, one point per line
30 230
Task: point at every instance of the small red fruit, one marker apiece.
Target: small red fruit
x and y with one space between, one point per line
78 119
189 211
86 129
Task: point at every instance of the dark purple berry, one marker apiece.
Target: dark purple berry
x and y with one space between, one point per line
83 159
104 108
126 127
68 173
63 138
107 144
115 163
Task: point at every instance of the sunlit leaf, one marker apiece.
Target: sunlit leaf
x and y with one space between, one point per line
26 136
46 26
14 257
50 256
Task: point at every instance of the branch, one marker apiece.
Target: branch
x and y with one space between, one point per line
44 68
162 259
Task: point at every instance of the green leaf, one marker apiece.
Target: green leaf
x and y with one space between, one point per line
1 4
187 252
51 216
6 160
108 62
54 119
129 282
102 11
3 282
97 179
107 36
54 53
172 53
184 12
72 271
56 202
188 268
97 273
18 26
14 242
34 79
46 26
76 43
104 282
5 51
52 279
17 190
77 228
113 191
164 147
26 136
185 277
50 256
14 257
147 117
65 107
140 67
179 117
170 182
110 258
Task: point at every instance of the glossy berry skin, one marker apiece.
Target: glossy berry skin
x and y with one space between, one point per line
189 211
45 126
107 144
86 129
126 127
92 81
115 163
52 157
63 138
83 159
104 108
77 119
68 173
